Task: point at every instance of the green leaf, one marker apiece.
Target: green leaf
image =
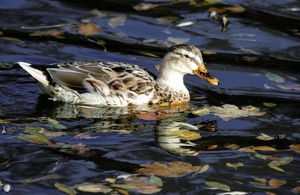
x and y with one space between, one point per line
52 123
64 188
217 185
274 77
269 104
201 112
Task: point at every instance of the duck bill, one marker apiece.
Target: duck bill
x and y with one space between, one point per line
202 72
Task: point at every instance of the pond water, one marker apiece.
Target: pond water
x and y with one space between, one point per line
48 147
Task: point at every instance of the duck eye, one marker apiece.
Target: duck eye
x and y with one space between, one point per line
187 56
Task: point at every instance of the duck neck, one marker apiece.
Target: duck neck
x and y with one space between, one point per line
171 82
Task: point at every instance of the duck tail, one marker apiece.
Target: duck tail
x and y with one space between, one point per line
37 74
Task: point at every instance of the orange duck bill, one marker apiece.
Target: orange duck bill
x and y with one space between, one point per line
203 73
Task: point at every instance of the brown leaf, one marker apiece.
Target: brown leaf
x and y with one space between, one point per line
172 169
264 148
147 116
89 29
211 147
235 165
276 183
296 189
235 9
295 147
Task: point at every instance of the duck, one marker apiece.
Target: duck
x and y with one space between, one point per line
99 83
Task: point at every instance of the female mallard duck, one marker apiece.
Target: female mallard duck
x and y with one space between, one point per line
122 84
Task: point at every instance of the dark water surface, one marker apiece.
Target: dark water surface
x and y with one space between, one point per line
259 46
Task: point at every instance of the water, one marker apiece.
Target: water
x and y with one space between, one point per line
101 143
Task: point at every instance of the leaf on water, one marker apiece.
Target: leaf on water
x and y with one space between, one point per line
143 184
269 104
235 9
235 165
260 156
52 123
93 188
276 183
85 135
178 40
201 112
88 29
228 111
117 21
64 188
144 6
172 169
183 24
10 39
217 186
46 177
166 20
295 147
232 146
264 137
247 149
282 161
289 87
32 130
263 148
276 168
35 138
99 14
216 10
148 54
212 147
55 33
80 148
296 190
274 77
51 134
204 168
111 180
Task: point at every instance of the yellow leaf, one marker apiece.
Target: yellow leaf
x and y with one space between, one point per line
232 146
148 54
263 148
235 165
276 183
111 180
276 168
248 149
264 137
64 188
204 168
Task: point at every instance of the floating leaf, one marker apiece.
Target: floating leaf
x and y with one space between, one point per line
51 133
64 188
247 149
117 21
235 165
264 137
209 53
111 180
249 59
232 146
201 112
94 188
172 169
147 116
178 40
228 111
296 190
276 168
264 148
204 168
217 185
35 138
85 135
282 161
52 123
274 77
185 134
295 147
212 147
276 183
89 29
